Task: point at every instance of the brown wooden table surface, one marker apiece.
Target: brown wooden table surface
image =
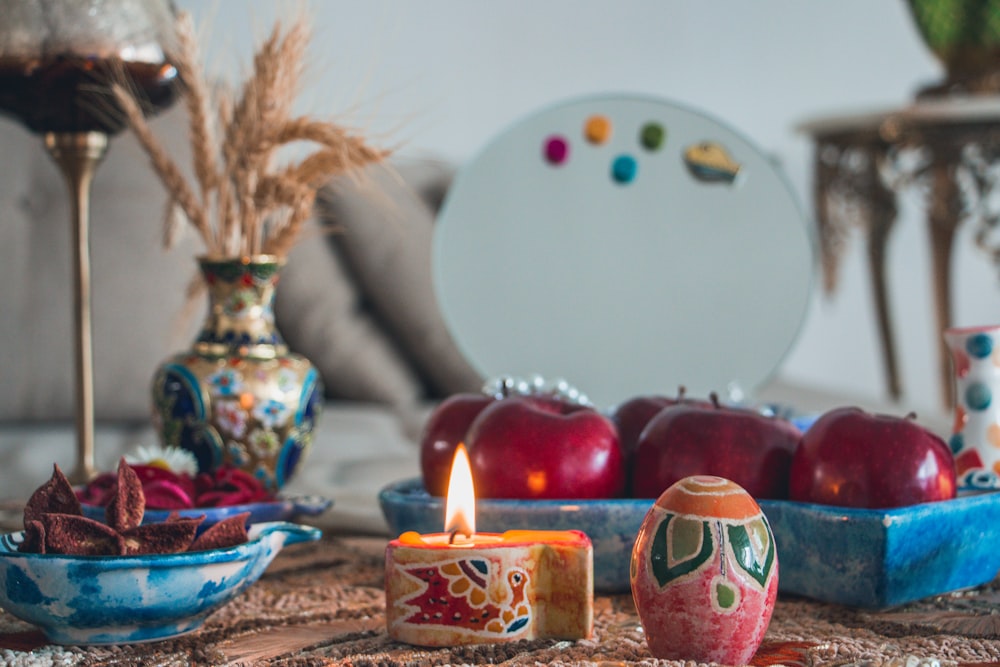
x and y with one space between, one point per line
323 604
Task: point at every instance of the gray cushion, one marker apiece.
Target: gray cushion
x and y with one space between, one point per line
137 288
386 224
321 314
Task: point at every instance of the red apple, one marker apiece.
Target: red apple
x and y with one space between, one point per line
445 429
741 445
534 447
632 415
630 418
853 458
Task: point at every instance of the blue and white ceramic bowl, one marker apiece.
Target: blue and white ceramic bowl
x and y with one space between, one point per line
124 599
280 509
859 557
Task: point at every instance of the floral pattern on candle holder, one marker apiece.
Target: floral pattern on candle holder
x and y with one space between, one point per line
444 595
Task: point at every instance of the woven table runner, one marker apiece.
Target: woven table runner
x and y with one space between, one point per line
322 604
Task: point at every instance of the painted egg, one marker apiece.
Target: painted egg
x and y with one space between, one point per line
705 573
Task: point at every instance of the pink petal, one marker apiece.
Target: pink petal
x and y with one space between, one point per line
100 490
166 495
148 474
222 498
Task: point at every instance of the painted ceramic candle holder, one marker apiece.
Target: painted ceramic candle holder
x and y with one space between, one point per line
611 525
443 590
975 439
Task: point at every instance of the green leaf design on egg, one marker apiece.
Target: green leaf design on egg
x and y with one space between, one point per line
680 547
753 548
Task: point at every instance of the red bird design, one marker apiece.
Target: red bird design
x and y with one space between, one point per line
457 594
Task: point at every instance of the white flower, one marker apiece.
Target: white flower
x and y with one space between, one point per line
271 413
174 459
231 417
264 443
237 453
288 381
226 382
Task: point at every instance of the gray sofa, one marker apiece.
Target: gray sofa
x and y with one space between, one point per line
358 302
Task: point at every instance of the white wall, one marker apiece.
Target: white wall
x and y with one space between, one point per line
444 76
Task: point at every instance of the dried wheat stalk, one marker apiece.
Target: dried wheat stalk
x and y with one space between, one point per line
243 204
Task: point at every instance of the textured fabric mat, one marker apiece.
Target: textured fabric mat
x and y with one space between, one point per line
322 604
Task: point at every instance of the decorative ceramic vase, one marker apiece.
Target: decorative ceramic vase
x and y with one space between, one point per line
975 439
705 573
965 37
239 397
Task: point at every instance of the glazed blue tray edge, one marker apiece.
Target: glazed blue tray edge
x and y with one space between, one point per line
612 527
863 558
880 559
827 558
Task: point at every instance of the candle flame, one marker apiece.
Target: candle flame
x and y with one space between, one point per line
460 505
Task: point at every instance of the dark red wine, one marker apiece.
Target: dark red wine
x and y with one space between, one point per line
72 94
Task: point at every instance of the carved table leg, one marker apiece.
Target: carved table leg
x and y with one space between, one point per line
848 168
944 216
882 219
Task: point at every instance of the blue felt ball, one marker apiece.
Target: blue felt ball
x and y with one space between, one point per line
624 169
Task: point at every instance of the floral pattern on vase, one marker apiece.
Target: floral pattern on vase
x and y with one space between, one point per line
239 397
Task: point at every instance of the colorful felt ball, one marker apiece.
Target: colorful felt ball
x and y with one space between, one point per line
704 573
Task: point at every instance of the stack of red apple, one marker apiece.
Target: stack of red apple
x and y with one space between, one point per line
543 446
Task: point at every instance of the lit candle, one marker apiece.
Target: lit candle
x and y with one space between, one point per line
464 587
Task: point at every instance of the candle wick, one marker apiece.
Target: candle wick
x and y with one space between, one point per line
453 534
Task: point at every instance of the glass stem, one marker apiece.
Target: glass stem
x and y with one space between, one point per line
78 154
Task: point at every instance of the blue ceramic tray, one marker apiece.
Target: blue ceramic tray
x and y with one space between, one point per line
865 558
883 558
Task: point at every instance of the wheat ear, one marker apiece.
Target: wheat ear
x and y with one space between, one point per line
198 101
169 173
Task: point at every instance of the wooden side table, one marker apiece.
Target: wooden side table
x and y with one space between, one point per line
950 149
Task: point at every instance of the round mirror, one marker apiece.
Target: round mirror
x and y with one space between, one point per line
628 245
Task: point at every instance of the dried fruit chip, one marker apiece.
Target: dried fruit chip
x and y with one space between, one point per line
226 533
54 522
56 495
34 538
128 504
169 537
79 536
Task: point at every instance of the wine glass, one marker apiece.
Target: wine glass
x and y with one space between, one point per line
58 59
